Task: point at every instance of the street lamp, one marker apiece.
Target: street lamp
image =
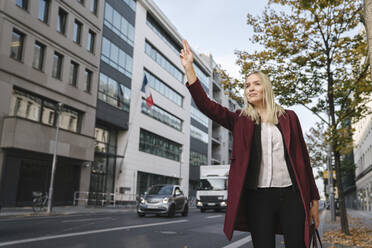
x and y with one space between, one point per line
50 197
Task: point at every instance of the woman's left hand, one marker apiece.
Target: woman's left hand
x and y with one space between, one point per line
314 213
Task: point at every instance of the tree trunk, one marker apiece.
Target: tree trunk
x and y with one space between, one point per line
341 197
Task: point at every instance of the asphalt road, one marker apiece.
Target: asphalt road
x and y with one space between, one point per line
109 230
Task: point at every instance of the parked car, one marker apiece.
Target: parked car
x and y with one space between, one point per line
163 199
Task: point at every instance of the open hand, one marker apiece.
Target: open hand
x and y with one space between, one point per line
186 55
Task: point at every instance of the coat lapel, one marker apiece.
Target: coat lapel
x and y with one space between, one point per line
285 125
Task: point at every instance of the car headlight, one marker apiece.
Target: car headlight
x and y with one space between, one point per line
142 200
165 200
199 204
220 198
223 204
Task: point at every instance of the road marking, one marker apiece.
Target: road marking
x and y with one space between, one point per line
90 219
239 243
213 216
22 241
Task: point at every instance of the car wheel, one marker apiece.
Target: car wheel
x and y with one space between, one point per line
141 214
185 210
202 210
171 211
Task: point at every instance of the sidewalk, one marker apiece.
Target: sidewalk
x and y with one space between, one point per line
360 226
64 210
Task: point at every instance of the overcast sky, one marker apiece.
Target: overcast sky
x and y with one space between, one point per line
219 27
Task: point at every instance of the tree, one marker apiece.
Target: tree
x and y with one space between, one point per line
315 53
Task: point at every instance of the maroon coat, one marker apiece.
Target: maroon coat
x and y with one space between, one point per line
242 129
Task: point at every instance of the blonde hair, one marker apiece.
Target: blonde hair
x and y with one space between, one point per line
273 110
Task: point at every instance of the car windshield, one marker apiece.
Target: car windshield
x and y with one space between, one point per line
161 190
213 184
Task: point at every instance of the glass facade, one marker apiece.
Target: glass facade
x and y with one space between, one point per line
197 159
131 4
161 33
32 107
16 46
164 89
163 62
199 116
113 93
157 145
104 166
198 134
161 115
118 24
116 57
146 180
203 78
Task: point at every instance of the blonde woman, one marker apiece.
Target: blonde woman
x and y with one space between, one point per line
271 184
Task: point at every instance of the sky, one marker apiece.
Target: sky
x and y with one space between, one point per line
219 27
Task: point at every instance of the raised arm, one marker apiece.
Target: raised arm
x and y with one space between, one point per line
213 110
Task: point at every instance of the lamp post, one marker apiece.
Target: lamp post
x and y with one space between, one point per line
50 197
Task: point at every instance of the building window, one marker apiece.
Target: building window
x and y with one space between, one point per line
22 4
57 65
198 134
116 57
77 31
69 119
43 10
88 80
81 2
93 6
113 93
74 71
131 4
199 116
146 180
197 158
162 34
16 47
25 105
32 107
118 24
164 89
161 115
151 51
106 140
160 146
204 79
39 50
91 41
62 20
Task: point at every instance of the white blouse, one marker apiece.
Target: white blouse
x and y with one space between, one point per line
273 170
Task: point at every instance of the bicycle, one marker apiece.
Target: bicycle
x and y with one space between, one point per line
39 201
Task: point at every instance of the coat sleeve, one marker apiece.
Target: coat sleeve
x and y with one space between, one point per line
213 110
313 188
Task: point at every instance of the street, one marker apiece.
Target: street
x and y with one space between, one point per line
123 229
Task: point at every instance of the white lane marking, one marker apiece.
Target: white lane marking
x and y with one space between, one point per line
239 243
90 219
22 241
213 216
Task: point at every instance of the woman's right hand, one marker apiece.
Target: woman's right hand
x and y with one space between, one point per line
186 55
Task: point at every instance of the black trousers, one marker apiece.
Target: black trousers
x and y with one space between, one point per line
267 207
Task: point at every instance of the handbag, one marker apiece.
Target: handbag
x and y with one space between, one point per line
315 241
